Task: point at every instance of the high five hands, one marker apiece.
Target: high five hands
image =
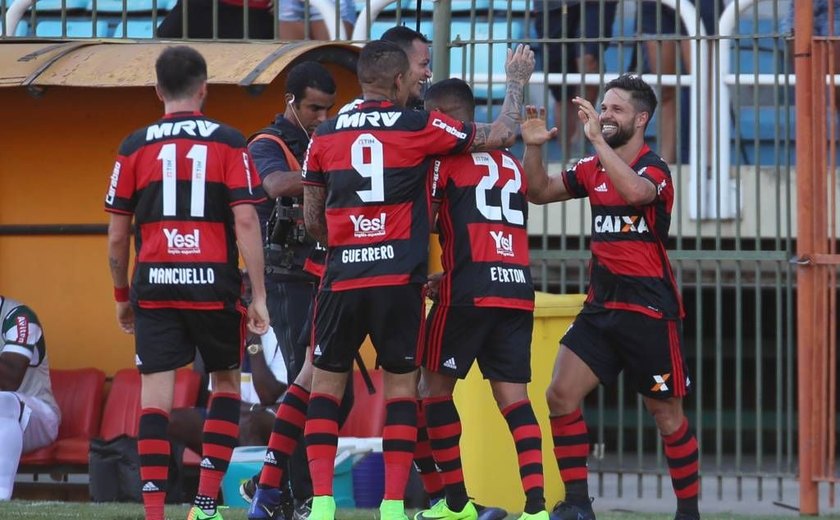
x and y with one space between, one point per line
534 131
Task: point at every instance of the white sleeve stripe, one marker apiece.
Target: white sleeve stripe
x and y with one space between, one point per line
18 349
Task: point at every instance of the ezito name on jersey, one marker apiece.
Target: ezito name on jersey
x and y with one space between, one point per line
507 275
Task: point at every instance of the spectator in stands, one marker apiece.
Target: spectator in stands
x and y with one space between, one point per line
633 316
263 382
293 16
375 272
29 415
177 307
572 19
230 16
656 19
476 316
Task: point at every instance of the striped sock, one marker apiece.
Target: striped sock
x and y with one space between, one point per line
399 437
288 425
683 464
571 447
153 447
444 426
221 435
528 440
424 461
321 435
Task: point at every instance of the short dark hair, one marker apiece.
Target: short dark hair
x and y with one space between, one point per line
309 74
403 36
453 88
180 70
641 94
379 62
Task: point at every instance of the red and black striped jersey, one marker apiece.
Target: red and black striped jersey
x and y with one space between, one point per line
482 230
630 269
373 162
179 177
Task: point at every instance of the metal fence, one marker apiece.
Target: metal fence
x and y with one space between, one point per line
726 123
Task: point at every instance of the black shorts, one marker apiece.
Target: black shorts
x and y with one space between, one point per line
393 316
650 349
166 339
570 22
500 339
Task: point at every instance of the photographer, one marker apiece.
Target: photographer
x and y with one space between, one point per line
292 258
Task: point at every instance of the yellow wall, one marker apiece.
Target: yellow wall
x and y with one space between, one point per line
57 155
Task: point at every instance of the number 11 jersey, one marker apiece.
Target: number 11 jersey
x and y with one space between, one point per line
179 177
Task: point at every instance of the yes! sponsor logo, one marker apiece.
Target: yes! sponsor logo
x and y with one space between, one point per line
366 227
178 243
503 242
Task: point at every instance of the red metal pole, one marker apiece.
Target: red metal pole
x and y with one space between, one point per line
806 275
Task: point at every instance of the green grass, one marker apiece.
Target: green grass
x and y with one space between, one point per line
52 510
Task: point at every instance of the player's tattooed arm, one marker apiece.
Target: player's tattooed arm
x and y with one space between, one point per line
502 132
314 212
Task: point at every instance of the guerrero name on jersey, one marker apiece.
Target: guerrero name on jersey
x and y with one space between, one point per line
483 236
373 161
630 269
179 177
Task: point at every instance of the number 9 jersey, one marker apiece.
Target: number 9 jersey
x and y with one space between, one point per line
373 162
482 222
179 177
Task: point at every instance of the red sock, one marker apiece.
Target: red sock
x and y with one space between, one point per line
154 450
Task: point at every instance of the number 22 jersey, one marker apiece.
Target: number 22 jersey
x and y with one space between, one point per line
482 224
179 177
373 161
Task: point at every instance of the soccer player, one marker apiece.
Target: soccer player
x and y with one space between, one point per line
190 186
483 310
632 317
365 196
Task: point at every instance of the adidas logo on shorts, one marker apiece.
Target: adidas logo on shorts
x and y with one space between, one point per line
317 351
206 464
450 364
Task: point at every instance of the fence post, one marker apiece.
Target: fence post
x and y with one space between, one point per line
806 275
442 20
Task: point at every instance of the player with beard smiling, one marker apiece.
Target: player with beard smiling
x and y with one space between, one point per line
632 317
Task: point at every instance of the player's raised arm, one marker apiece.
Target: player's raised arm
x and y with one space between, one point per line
542 188
501 133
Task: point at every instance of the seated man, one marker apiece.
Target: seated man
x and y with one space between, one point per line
263 383
29 415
